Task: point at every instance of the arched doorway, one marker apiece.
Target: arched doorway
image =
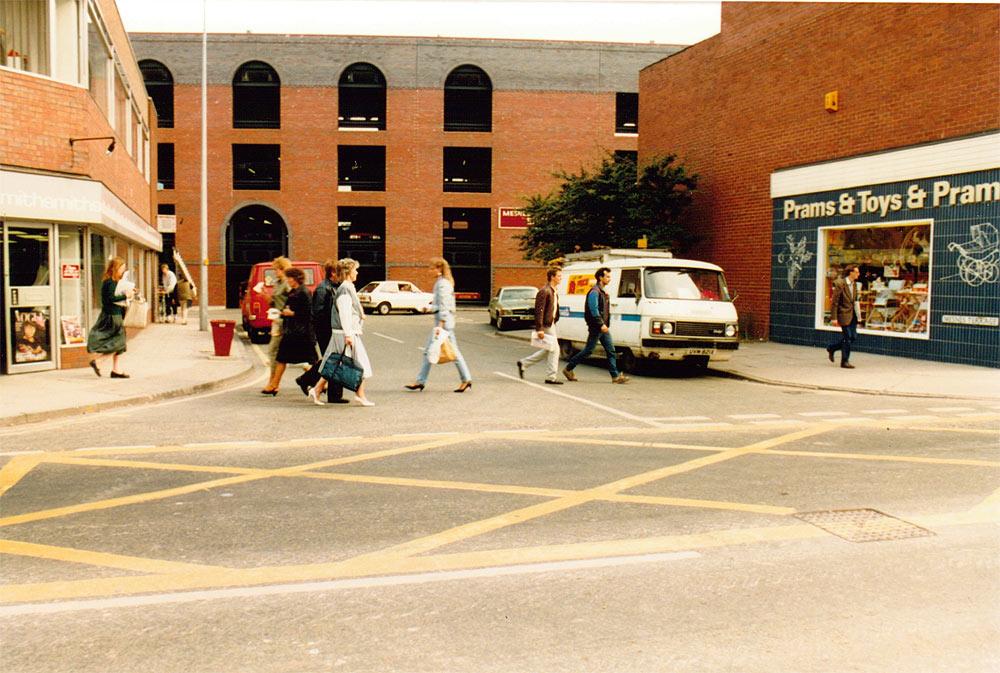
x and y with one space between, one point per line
254 234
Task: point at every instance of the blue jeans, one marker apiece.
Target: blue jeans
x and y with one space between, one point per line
849 334
425 366
606 343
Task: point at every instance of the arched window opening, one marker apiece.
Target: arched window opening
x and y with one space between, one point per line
361 98
256 97
160 87
468 100
255 234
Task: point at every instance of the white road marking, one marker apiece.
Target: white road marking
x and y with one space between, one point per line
19 453
582 400
916 417
849 419
385 336
679 418
752 417
789 421
980 414
885 411
334 585
822 414
949 409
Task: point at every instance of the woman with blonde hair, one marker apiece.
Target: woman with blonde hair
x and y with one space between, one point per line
346 320
444 320
107 336
279 297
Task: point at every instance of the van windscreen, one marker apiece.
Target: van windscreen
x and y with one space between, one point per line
678 283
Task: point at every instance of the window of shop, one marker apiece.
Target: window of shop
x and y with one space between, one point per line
73 319
98 64
468 100
256 97
24 36
100 253
468 169
361 168
626 112
256 166
165 164
160 86
894 283
361 98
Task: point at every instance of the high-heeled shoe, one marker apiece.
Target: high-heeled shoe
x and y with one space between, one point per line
314 396
414 386
272 393
462 388
93 365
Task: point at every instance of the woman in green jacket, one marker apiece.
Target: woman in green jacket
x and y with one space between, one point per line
107 336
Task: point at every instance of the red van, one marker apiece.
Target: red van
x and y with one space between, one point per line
255 297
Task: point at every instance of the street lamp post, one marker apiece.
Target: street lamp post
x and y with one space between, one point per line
203 295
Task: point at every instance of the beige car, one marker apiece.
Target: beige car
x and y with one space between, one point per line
512 305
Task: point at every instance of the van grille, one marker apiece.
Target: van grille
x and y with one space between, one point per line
700 329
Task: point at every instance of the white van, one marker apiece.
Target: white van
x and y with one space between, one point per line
661 308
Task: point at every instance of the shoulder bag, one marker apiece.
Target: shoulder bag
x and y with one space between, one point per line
342 370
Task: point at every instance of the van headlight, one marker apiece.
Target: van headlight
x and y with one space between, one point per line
661 327
730 330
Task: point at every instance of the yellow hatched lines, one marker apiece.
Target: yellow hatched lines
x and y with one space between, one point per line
414 555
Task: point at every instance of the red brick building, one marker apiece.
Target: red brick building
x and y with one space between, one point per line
364 146
76 128
821 101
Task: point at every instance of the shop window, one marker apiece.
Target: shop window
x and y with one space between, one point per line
72 290
894 283
165 164
256 166
361 98
100 253
468 169
626 112
160 86
360 168
468 100
256 97
24 28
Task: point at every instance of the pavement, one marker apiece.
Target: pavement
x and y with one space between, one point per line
172 360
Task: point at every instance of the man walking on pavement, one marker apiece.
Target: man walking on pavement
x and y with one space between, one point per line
597 314
322 306
546 317
844 309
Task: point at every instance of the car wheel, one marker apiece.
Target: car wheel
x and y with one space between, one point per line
566 349
627 361
493 321
383 308
501 324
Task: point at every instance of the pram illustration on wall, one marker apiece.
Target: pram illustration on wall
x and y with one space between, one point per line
979 258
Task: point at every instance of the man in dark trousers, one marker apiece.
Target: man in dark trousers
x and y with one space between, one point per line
844 311
597 313
546 317
322 306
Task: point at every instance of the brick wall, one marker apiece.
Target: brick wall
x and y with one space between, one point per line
749 101
534 134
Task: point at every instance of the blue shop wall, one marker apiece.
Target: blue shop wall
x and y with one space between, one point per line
961 284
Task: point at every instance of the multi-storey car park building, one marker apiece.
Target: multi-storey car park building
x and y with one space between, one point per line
829 134
390 150
76 187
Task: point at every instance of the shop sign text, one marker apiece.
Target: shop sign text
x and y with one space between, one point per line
864 202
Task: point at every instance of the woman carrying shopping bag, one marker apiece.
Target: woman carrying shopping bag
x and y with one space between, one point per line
107 336
444 328
345 338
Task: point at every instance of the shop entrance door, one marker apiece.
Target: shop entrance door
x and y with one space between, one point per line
29 327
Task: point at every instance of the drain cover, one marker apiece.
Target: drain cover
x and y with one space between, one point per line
863 525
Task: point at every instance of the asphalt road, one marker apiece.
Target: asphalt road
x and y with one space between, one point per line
678 523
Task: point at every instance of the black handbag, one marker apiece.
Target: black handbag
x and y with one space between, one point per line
342 370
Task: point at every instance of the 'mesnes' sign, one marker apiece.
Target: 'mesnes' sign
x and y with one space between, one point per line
513 218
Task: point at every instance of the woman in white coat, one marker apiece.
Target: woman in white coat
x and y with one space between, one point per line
444 319
345 320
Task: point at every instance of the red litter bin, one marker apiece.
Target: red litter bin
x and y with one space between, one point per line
222 336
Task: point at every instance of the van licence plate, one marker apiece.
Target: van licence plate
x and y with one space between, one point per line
700 351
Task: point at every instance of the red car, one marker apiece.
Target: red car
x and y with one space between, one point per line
256 297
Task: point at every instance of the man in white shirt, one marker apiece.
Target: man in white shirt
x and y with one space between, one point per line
546 317
168 281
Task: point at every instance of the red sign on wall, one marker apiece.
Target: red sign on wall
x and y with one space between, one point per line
513 218
70 271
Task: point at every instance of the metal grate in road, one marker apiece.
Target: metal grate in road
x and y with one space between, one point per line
863 525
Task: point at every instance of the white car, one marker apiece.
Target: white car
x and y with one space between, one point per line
382 296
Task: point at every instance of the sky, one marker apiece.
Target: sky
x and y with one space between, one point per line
593 20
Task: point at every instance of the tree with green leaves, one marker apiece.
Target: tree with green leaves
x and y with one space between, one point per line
613 206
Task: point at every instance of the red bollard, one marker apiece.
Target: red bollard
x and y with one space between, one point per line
222 336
